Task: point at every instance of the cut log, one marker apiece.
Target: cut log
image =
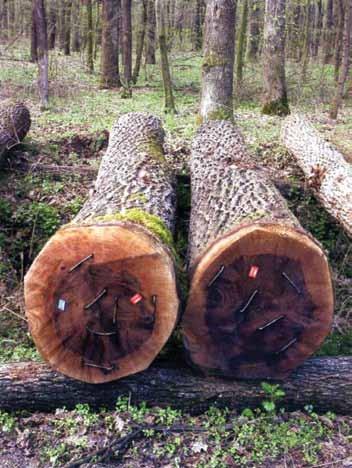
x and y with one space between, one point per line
15 122
101 297
325 383
326 170
261 298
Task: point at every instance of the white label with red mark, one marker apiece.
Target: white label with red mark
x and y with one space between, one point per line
253 272
136 299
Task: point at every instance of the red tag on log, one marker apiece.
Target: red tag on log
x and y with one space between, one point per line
136 298
253 272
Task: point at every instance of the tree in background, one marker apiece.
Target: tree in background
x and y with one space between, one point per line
140 42
255 12
40 26
275 92
165 68
150 39
241 44
218 61
109 77
126 15
90 58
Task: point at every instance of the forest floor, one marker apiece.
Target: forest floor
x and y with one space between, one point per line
45 184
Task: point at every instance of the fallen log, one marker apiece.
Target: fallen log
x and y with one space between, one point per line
101 297
15 122
261 298
326 170
325 383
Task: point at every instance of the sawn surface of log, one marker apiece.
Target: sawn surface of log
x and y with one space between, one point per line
326 170
101 297
15 122
325 383
261 298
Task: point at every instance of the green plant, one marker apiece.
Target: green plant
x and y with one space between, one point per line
273 393
89 418
7 422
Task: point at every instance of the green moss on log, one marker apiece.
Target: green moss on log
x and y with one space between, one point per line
212 60
154 150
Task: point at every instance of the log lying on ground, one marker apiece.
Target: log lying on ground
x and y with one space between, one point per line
261 298
101 297
15 122
325 383
327 172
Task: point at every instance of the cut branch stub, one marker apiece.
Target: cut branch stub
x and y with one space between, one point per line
101 297
261 298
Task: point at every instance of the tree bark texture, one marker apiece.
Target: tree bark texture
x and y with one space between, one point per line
327 172
261 297
325 383
15 122
328 31
218 62
165 68
140 41
339 20
52 23
150 39
101 297
109 52
254 29
241 46
275 92
90 58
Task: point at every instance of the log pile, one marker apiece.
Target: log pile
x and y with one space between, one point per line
261 298
327 172
325 383
101 297
15 122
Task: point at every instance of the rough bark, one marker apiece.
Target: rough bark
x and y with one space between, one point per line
67 12
101 297
241 46
326 170
325 383
15 122
109 52
90 58
328 32
339 19
198 23
169 103
52 23
275 92
126 11
76 29
34 37
261 298
150 39
218 62
346 60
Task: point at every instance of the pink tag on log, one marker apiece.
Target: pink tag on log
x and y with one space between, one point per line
253 272
136 299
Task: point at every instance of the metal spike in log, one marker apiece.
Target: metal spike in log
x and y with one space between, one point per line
327 172
15 122
101 297
261 298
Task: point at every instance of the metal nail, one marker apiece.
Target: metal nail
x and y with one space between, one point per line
108 369
218 274
93 332
288 345
292 283
248 303
80 263
100 295
269 324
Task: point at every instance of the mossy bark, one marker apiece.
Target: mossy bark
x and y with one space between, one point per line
15 122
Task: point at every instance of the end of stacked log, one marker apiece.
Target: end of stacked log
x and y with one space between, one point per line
261 298
101 298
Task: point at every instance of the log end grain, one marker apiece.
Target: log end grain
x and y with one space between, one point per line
101 300
261 302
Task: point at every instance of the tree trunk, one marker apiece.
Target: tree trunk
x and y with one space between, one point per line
346 60
42 44
90 58
109 52
318 28
165 68
101 297
275 95
325 383
140 41
68 11
218 62
150 39
34 37
126 11
261 297
340 16
306 42
76 33
326 170
328 32
198 23
241 46
15 122
254 30
52 25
